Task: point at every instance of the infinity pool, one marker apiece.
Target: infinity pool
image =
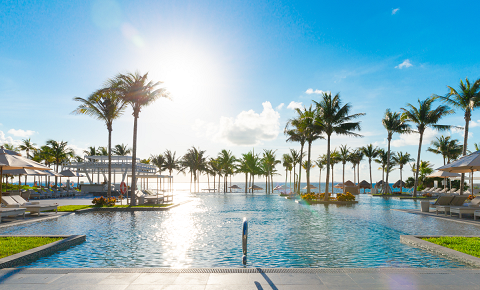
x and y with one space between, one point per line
206 232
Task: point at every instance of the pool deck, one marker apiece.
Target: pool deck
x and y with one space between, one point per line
253 279
465 220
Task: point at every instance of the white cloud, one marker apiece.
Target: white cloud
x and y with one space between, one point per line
294 105
247 128
21 133
311 91
406 63
461 131
474 124
9 140
414 138
279 107
78 150
394 11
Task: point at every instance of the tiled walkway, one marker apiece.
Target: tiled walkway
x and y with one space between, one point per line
50 279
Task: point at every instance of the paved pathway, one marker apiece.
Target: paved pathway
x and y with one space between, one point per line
145 279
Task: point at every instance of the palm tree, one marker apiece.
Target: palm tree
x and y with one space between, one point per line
27 146
121 150
334 159
59 152
355 158
402 159
171 163
10 147
136 90
158 161
320 163
91 151
446 147
270 160
344 156
370 152
476 146
227 162
394 123
425 168
381 159
331 118
102 151
106 106
287 163
297 134
295 160
214 170
466 99
423 117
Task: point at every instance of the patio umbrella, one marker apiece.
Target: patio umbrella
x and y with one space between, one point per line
278 187
254 187
444 175
340 185
13 160
234 186
23 171
466 164
311 187
364 184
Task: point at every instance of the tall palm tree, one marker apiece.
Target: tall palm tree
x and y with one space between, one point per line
106 106
171 163
121 150
332 117
466 99
334 159
402 159
287 163
370 152
355 158
139 92
228 164
295 160
297 134
381 159
425 116
344 156
158 161
394 123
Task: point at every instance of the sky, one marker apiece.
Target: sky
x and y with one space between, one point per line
234 70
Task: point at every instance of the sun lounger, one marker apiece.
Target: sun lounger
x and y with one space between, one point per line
32 207
11 212
442 200
457 201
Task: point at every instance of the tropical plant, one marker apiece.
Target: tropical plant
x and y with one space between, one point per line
59 152
91 151
320 163
425 168
9 146
27 145
139 92
158 161
227 163
297 134
121 150
171 163
102 151
424 116
355 158
334 159
344 157
295 160
448 148
401 159
393 123
332 117
288 164
370 152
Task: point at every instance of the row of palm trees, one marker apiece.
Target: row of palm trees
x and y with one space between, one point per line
329 116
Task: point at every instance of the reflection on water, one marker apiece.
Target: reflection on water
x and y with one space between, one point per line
206 232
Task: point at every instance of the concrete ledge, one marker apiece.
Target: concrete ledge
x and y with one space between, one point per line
459 256
28 256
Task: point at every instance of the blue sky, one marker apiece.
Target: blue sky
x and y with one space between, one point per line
229 65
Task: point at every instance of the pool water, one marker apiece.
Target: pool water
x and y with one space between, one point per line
206 232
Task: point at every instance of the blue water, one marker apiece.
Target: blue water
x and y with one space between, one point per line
206 232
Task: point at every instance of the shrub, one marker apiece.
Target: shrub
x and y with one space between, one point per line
471 196
314 196
102 201
345 197
428 194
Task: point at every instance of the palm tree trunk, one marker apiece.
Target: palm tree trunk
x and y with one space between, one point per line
358 174
219 178
308 165
300 168
290 181
286 178
418 165
328 168
294 179
386 185
109 187
214 183
253 182
266 183
343 177
401 181
246 182
332 179
370 166
133 199
465 139
319 181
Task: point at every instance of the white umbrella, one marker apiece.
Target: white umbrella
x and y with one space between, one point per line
444 175
23 171
13 160
311 187
466 164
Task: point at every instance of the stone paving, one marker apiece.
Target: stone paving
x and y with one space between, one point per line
121 279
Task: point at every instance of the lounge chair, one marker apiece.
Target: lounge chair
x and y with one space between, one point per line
151 196
457 201
442 200
32 207
11 212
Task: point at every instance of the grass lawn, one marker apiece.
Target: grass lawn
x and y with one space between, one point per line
13 245
70 208
470 246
